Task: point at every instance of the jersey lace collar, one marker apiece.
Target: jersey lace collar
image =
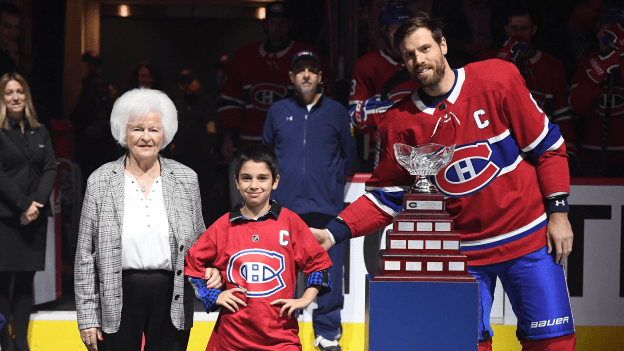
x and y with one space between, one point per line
428 107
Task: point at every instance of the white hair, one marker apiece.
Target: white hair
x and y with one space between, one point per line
140 102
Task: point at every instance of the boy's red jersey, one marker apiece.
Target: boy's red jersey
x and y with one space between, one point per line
262 257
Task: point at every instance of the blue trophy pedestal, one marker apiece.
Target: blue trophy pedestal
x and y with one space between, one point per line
421 315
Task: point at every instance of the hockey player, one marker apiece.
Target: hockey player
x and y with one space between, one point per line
258 248
507 184
379 77
543 73
599 79
257 76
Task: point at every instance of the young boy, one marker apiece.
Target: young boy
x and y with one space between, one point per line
258 248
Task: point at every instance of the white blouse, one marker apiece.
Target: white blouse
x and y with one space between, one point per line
145 236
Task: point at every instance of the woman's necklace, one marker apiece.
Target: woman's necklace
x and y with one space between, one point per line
143 189
143 185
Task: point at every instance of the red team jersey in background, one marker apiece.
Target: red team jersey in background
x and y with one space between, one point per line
495 195
262 257
256 78
545 78
370 73
588 99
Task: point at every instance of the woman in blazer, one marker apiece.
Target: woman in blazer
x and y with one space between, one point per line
140 215
27 177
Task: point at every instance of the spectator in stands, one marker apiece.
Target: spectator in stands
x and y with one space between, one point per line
145 75
195 142
544 74
27 178
141 213
595 95
10 21
90 119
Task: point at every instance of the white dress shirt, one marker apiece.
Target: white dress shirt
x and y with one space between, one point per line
145 236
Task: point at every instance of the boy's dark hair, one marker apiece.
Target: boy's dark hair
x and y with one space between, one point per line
258 153
421 20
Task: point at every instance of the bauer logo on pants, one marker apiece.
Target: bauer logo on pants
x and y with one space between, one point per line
259 271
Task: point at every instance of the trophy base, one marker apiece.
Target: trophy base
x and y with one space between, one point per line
378 275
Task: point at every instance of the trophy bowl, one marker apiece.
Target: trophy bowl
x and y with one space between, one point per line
423 161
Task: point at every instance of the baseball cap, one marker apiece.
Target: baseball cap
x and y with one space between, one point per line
304 54
277 9
394 13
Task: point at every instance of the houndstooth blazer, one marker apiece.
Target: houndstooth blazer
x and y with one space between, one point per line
97 270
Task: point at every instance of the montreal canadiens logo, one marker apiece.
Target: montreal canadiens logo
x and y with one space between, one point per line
265 94
259 271
470 170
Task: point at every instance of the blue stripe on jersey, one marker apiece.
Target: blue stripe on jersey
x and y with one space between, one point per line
505 152
505 240
393 199
551 138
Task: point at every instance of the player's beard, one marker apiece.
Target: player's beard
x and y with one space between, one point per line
435 78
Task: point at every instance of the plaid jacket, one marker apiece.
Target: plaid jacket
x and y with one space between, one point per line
97 270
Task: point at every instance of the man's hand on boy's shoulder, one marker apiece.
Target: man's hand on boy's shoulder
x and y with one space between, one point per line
214 279
230 300
322 237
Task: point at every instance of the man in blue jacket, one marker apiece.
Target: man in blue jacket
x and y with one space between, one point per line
315 147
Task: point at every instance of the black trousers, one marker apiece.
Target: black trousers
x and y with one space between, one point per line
17 303
146 309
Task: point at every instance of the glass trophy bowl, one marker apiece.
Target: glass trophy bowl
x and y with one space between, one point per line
423 161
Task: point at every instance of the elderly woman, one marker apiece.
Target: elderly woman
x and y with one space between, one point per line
140 215
27 177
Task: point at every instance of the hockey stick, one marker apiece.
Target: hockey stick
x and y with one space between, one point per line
605 127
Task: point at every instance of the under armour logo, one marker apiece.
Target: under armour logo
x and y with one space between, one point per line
255 238
559 202
290 118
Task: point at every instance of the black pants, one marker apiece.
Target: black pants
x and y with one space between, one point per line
17 303
146 309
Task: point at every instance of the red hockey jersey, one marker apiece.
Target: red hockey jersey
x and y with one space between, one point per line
588 99
262 257
255 79
508 159
371 72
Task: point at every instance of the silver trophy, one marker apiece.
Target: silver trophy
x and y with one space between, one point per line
422 162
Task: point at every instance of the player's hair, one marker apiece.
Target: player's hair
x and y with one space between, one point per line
139 103
258 153
421 20
519 10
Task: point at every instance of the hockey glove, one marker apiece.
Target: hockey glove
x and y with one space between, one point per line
601 65
368 113
512 49
614 37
